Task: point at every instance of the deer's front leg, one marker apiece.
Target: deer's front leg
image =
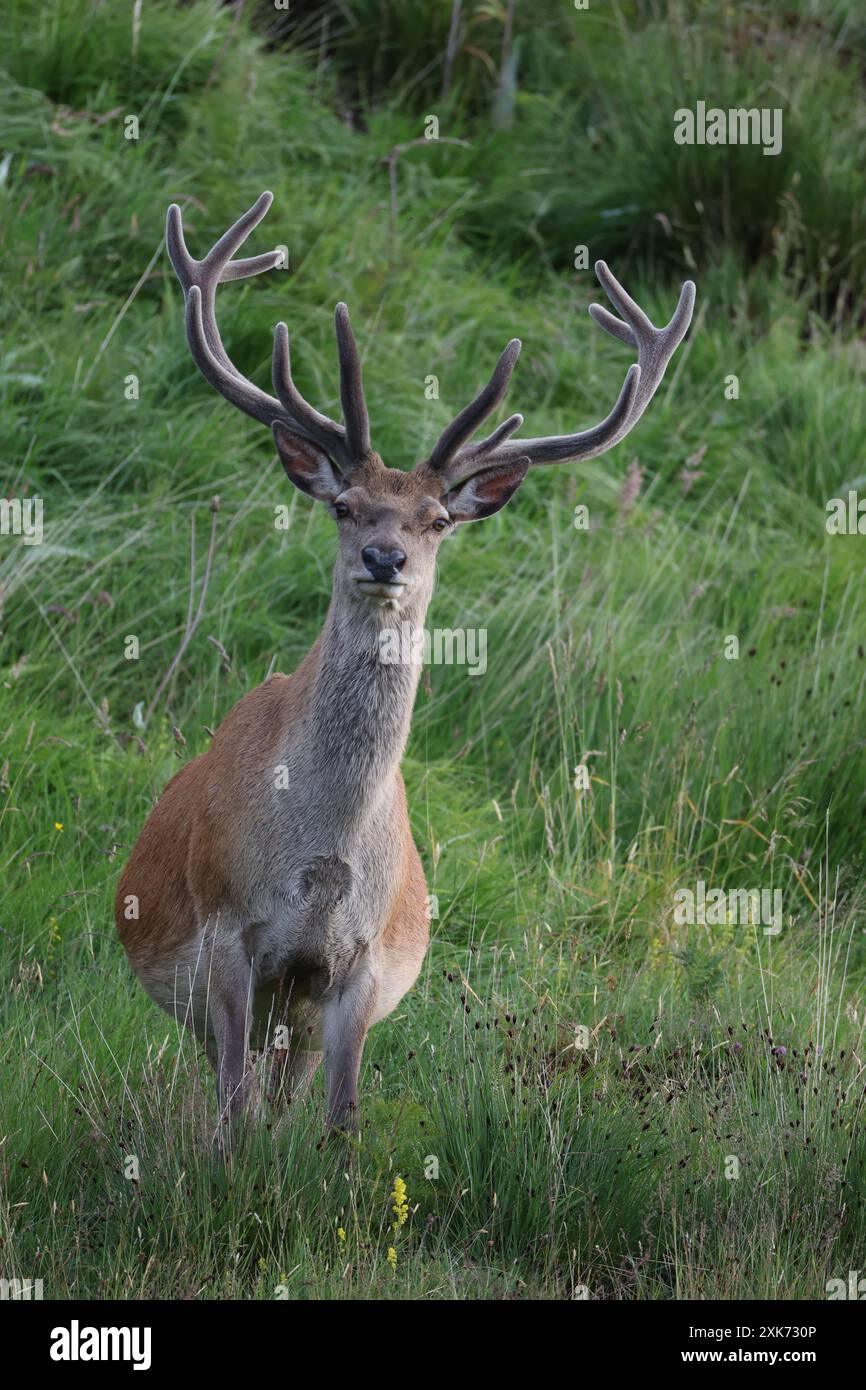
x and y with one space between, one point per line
234 1076
347 1013
229 998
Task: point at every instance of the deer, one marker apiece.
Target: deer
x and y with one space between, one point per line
275 886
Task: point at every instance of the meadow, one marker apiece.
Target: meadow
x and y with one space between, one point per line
584 1096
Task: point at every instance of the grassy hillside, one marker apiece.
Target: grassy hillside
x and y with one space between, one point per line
536 1166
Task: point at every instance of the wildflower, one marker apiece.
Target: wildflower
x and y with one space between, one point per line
58 825
53 936
341 1234
392 1257
631 488
401 1206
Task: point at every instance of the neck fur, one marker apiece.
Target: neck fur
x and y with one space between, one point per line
362 704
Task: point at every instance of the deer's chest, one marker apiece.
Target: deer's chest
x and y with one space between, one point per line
325 885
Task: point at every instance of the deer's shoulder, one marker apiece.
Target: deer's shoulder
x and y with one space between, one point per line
269 707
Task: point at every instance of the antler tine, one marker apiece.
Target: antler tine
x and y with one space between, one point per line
249 265
621 300
463 426
355 416
655 347
199 280
234 236
565 448
317 428
220 372
491 442
208 273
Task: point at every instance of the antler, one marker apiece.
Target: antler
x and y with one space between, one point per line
347 445
454 459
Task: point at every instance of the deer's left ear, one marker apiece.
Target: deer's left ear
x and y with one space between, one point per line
485 492
306 466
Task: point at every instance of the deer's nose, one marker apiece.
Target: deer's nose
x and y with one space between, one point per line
383 564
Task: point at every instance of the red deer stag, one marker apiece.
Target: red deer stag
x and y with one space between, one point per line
276 882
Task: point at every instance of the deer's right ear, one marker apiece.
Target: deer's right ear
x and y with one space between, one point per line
307 467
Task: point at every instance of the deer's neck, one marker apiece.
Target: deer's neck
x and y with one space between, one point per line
362 699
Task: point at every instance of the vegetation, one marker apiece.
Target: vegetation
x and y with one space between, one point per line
564 1091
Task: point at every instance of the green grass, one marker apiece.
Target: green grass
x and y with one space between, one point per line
556 1167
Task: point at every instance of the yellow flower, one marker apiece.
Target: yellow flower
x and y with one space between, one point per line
401 1206
392 1257
341 1234
58 825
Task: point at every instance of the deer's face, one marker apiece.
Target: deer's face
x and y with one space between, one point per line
389 528
390 523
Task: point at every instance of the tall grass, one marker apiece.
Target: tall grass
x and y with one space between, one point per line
583 154
558 1166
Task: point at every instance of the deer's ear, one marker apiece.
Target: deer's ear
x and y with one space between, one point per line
485 492
307 467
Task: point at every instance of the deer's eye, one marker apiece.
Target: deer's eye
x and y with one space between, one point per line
340 509
440 523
